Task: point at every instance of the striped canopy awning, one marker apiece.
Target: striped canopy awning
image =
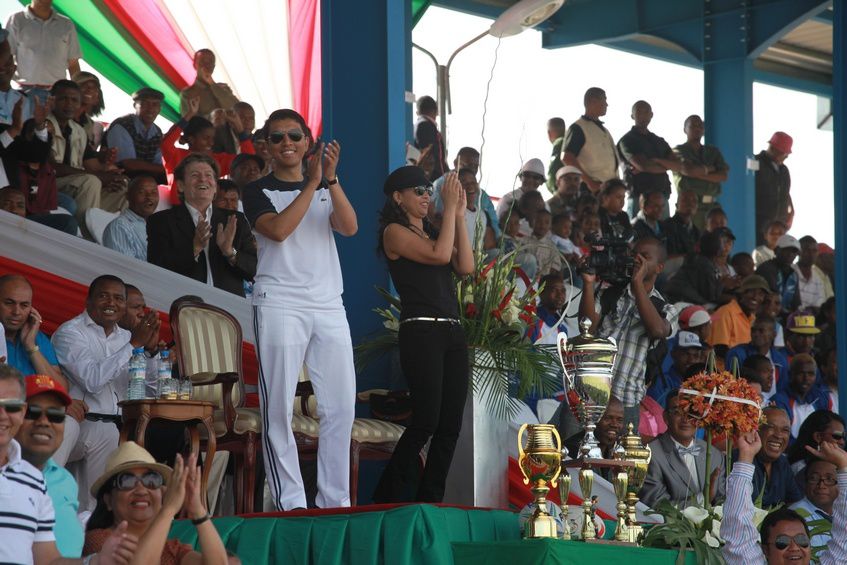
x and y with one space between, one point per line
268 51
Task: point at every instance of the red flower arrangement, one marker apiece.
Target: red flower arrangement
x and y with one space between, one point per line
720 402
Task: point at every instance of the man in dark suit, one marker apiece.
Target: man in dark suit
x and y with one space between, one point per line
194 239
677 470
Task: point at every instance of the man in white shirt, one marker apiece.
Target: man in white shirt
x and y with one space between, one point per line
821 484
94 352
812 284
45 45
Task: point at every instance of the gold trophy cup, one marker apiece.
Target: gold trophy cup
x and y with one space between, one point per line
540 463
640 454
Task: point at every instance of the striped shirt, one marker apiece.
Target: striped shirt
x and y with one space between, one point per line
26 512
742 538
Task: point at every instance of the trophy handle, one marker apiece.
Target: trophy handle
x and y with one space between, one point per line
562 341
554 478
521 451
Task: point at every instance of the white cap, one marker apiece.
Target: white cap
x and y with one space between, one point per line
534 166
568 170
788 241
688 339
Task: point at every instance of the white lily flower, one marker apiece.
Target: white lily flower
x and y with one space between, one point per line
758 516
711 540
392 324
695 514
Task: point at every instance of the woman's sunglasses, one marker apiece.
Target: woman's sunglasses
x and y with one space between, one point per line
783 541
421 190
149 480
294 135
837 436
54 415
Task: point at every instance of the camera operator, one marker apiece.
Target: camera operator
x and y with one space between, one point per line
634 314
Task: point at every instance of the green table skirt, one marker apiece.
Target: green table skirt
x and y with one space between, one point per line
558 552
414 534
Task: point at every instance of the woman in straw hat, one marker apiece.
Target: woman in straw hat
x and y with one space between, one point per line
146 496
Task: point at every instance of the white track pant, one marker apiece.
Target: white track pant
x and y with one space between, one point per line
286 339
86 459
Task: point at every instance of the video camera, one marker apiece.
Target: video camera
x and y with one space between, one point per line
611 258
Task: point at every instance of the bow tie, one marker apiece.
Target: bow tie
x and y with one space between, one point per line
693 450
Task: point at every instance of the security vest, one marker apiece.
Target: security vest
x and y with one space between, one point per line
598 157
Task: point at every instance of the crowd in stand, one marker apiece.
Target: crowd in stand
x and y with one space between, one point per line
766 313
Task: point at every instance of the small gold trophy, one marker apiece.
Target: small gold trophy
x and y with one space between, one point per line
540 463
640 455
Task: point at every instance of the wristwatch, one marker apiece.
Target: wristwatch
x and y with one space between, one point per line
234 253
331 182
35 349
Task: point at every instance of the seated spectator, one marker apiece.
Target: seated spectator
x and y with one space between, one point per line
241 117
801 397
784 534
260 145
828 366
564 199
245 168
528 206
742 264
614 222
199 241
773 480
687 351
136 137
767 251
800 337
11 97
812 284
586 204
40 436
127 233
716 218
512 240
731 323
825 321
762 334
539 244
45 45
208 93
697 281
480 233
588 144
702 170
94 353
13 200
589 226
466 158
227 196
772 306
91 105
677 470
609 431
27 522
562 227
551 302
647 158
531 176
820 426
694 319
728 276
131 474
780 274
197 133
758 370
556 134
79 172
826 261
681 232
648 220
821 490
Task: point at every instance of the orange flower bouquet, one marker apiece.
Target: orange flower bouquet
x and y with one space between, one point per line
720 403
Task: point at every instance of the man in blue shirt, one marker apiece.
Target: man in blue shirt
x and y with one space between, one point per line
762 335
801 397
127 233
40 435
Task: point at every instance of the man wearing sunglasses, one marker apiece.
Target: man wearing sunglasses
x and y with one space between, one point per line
40 435
784 535
27 519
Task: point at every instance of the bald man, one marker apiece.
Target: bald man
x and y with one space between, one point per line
28 349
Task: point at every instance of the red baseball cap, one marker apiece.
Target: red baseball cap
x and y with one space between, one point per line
40 384
693 316
782 142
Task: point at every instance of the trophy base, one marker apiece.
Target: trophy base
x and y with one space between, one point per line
612 542
543 526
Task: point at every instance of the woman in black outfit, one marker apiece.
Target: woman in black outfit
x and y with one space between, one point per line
433 350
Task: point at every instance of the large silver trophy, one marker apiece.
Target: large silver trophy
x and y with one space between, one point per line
587 362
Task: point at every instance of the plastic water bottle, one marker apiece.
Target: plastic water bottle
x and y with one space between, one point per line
165 383
137 375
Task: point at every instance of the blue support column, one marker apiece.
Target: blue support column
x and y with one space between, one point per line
366 71
839 113
728 99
